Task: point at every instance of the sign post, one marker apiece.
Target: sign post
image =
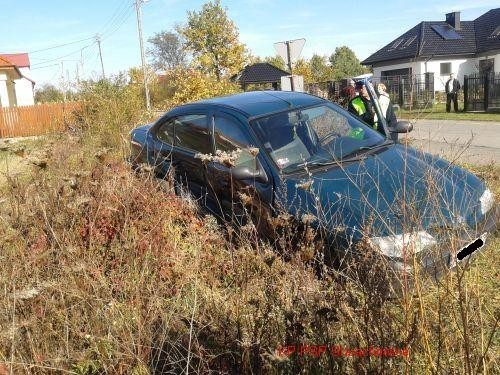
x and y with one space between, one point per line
289 51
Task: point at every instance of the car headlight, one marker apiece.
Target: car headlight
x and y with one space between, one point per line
392 246
487 200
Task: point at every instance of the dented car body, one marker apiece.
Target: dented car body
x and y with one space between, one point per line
278 151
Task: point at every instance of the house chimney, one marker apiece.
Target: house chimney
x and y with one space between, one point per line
453 19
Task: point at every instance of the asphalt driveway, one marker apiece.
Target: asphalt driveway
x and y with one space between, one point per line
476 142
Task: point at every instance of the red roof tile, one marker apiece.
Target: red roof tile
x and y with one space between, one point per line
21 60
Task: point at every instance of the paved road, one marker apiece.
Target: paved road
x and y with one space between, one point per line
476 142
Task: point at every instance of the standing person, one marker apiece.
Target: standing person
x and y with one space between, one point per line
362 107
452 86
387 109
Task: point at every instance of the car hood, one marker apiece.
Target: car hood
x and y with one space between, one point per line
368 196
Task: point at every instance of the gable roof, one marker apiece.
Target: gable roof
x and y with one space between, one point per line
424 40
485 25
260 73
21 60
6 64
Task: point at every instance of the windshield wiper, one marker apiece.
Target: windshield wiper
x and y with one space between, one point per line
329 162
317 163
368 148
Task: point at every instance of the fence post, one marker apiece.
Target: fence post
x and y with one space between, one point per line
466 92
401 93
486 90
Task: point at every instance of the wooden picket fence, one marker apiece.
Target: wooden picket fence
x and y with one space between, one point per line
38 119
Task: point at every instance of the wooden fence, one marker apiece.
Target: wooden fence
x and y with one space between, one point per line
35 120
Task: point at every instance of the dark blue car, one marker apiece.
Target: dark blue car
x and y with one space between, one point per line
278 151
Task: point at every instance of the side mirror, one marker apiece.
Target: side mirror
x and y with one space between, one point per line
242 172
402 127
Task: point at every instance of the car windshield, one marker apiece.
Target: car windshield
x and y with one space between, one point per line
316 135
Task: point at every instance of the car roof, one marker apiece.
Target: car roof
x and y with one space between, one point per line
256 103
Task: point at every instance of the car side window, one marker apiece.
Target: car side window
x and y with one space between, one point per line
165 132
229 137
191 132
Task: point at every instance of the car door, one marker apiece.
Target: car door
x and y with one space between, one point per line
230 197
180 139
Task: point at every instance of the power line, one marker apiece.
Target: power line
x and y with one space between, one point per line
82 40
115 18
62 57
60 45
117 25
46 66
121 14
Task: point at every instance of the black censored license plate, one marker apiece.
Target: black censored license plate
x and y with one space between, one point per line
467 250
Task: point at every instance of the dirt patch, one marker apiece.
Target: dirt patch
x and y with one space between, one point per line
19 155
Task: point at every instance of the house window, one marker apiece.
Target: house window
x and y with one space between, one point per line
396 72
445 68
486 66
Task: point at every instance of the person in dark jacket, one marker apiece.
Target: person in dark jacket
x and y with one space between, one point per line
362 107
452 87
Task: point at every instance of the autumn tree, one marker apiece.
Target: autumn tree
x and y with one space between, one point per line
167 51
320 70
302 68
275 61
345 63
212 37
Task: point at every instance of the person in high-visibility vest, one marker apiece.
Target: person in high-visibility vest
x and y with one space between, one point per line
362 107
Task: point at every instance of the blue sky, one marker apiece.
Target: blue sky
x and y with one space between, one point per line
364 26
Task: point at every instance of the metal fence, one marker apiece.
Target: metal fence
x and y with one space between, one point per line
482 92
408 91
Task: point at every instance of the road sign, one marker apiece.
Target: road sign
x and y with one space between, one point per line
290 50
292 83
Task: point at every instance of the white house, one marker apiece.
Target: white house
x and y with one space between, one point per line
441 48
16 86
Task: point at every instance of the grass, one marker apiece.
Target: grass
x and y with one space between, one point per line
104 271
101 268
438 112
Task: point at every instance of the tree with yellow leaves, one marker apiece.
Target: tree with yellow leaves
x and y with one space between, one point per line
212 37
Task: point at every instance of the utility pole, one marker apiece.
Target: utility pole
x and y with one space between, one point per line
63 84
141 44
98 40
81 61
77 74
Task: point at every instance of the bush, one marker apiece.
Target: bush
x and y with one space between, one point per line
109 109
188 85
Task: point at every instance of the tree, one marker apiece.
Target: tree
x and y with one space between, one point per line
345 63
320 70
302 68
213 39
48 93
168 51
